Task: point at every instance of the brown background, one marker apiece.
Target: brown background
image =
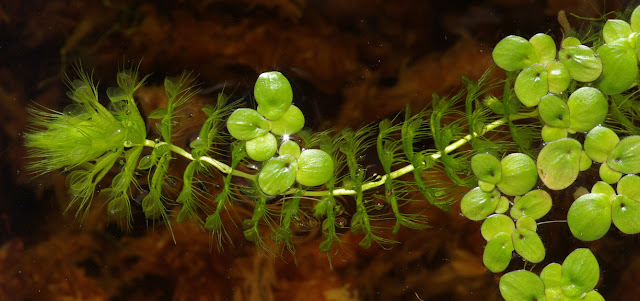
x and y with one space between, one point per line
350 63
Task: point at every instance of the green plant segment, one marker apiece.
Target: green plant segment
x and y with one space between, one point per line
561 112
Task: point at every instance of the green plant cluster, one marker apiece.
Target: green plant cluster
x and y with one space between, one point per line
560 113
572 90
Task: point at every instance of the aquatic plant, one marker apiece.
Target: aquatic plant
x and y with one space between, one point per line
560 111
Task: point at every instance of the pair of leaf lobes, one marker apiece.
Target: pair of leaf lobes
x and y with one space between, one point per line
541 72
276 115
590 215
575 279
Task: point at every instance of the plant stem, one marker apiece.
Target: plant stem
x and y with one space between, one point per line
342 191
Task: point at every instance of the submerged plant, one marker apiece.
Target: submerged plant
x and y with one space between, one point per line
561 111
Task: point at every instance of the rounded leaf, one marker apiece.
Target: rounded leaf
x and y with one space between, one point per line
635 19
603 187
521 285
290 123
262 148
629 186
615 29
580 272
246 124
495 224
588 108
619 67
609 175
554 111
487 168
531 84
624 213
625 157
498 252
589 217
582 63
486 186
518 174
585 161
289 147
534 204
278 175
570 41
526 222
550 133
559 163
273 94
514 53
527 243
315 167
551 276
558 77
599 143
503 205
476 205
545 47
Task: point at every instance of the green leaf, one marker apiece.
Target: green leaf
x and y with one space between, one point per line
278 174
624 213
535 204
487 168
290 123
599 143
545 47
609 175
496 224
476 205
558 77
625 157
589 217
603 187
554 111
619 67
116 94
273 94
503 205
635 19
588 108
498 252
585 161
289 147
590 296
521 285
582 63
514 53
629 186
570 41
527 243
559 163
262 148
580 273
526 222
550 133
158 113
518 174
315 167
615 29
531 84
551 276
246 124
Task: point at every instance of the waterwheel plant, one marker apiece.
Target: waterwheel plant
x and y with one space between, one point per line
561 112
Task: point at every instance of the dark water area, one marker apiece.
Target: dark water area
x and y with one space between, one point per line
350 63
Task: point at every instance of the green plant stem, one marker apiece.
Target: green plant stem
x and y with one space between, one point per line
342 191
215 163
